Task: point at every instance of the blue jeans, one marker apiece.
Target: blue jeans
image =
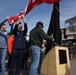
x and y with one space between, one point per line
3 53
17 55
35 54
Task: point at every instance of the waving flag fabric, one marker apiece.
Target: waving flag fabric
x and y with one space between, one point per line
13 19
29 7
33 3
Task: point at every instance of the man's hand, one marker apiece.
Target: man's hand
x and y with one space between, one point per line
19 17
22 15
7 18
24 19
53 40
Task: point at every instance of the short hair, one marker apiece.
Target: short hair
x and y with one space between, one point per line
2 25
39 23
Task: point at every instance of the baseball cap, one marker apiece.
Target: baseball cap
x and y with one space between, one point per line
40 23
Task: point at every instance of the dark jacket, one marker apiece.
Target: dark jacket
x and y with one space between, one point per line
19 40
37 35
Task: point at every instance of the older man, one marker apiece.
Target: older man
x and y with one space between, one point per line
36 38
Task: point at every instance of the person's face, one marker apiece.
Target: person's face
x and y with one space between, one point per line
3 27
44 42
40 26
19 27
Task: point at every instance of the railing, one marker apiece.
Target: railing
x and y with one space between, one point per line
71 29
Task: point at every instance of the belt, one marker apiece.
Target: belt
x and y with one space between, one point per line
36 45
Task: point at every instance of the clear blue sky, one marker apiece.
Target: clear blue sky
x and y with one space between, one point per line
39 13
